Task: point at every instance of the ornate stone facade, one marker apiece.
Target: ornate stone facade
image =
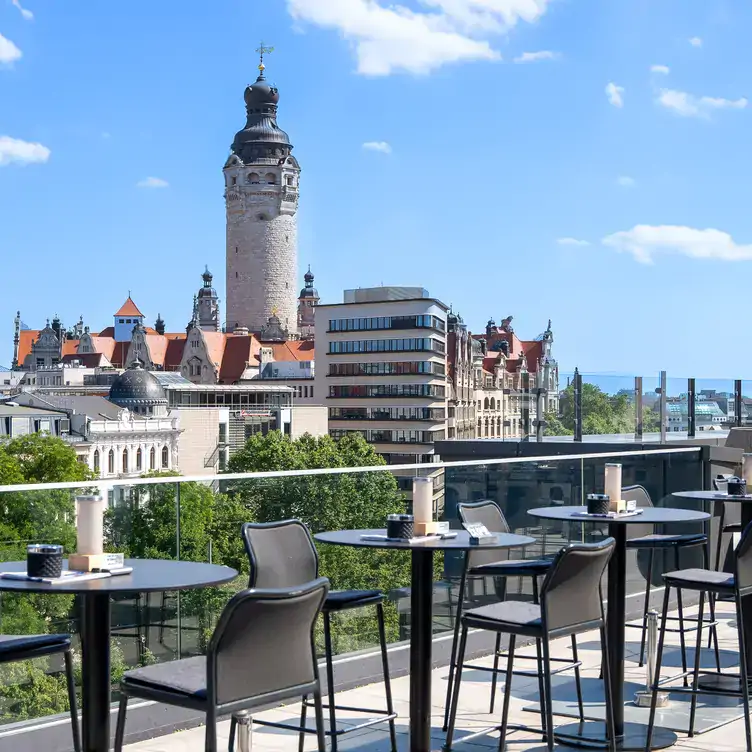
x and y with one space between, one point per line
261 197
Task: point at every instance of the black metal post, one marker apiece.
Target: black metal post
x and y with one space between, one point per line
691 420
738 402
615 619
540 422
638 408
421 637
525 416
95 672
577 382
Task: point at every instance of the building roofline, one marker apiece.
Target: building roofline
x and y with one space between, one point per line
444 306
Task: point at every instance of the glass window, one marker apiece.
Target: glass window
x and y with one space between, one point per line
96 460
165 457
111 461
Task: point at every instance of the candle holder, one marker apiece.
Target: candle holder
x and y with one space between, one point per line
399 526
612 487
44 560
598 504
736 487
90 535
423 507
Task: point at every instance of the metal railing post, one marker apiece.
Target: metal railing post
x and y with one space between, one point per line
638 408
541 421
577 381
663 405
691 418
738 402
178 619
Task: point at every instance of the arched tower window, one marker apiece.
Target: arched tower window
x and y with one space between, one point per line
165 457
96 460
253 177
485 403
493 403
111 461
125 460
152 459
271 177
139 459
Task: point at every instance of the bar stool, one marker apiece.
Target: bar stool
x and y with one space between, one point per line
643 537
283 554
571 602
729 520
737 585
480 563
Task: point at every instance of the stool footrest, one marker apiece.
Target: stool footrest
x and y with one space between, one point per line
491 729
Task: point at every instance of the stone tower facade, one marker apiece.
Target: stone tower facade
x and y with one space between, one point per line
208 304
261 198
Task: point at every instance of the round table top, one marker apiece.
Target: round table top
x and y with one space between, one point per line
149 575
710 496
460 543
649 516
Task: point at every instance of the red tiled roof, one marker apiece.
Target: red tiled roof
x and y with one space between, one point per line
294 350
129 308
239 351
27 336
215 346
88 360
173 351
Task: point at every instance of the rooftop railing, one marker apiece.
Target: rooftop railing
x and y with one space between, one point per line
198 518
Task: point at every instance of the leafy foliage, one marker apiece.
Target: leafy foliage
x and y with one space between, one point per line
601 413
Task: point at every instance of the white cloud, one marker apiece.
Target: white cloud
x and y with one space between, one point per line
388 38
614 94
688 105
645 242
152 183
27 14
381 146
572 242
662 69
626 181
14 150
9 53
695 41
534 57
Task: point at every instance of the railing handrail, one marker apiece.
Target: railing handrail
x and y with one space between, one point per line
106 484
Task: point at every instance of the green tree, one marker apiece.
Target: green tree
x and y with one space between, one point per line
329 502
601 413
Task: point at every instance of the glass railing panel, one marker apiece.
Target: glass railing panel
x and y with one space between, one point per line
715 409
608 405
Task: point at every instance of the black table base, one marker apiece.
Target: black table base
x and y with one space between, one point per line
592 735
95 679
421 641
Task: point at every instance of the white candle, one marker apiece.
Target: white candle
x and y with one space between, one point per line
423 499
90 524
747 470
612 482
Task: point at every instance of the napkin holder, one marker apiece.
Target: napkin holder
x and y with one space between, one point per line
90 562
479 533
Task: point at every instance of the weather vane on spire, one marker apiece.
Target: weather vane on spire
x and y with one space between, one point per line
263 51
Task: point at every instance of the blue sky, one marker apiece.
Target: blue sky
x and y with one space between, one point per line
580 185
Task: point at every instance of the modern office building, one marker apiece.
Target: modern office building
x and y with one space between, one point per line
381 370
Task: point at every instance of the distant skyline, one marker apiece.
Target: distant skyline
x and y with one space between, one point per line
575 160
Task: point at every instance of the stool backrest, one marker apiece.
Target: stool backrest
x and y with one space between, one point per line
489 514
642 497
571 592
264 642
282 554
743 560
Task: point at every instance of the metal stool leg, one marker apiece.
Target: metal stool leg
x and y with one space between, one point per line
330 680
578 684
507 693
120 728
456 690
657 673
539 656
645 607
303 714
549 696
610 727
713 631
682 642
71 682
387 679
455 640
497 650
319 710
231 740
743 668
696 672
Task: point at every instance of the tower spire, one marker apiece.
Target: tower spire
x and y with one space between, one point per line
262 50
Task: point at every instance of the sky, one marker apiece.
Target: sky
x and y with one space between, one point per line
578 160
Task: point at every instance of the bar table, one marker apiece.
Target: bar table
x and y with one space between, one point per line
421 605
629 736
148 576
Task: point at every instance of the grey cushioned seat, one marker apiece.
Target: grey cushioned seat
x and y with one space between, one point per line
657 540
700 579
509 613
186 676
342 599
513 568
